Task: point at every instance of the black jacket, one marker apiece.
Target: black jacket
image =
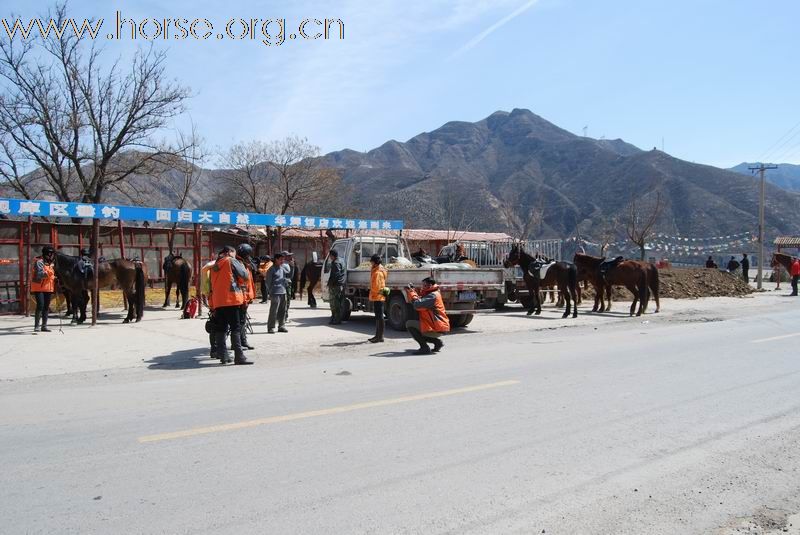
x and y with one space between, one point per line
337 277
745 263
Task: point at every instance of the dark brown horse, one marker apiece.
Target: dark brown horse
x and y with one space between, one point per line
177 271
628 273
782 259
311 274
129 275
562 275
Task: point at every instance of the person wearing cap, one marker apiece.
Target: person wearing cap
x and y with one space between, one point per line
228 294
264 263
244 254
433 321
376 296
43 284
290 268
276 284
336 287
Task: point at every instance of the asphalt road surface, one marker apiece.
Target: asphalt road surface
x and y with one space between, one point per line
630 428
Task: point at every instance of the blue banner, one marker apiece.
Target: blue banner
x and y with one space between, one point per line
113 212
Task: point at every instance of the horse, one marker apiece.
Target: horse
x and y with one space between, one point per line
130 275
311 272
177 271
782 259
561 274
628 273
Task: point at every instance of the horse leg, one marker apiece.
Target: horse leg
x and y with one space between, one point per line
575 296
635 291
167 291
608 297
567 300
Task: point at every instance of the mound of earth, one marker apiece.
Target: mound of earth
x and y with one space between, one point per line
689 283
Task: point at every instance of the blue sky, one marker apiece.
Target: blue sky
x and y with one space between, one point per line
717 80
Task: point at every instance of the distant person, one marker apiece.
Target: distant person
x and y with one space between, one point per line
264 263
376 296
228 294
43 284
746 268
732 265
290 267
710 263
795 273
336 287
433 321
276 284
244 254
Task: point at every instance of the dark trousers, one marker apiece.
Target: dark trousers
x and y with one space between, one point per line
380 319
336 296
746 275
243 324
227 318
264 292
42 306
423 340
795 280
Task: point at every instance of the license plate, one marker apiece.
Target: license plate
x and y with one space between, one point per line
467 296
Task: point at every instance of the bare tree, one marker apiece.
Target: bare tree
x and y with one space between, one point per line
190 171
641 217
84 127
524 222
608 232
246 175
296 175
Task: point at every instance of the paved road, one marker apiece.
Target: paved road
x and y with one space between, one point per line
633 428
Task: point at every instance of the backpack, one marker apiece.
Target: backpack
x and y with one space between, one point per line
190 310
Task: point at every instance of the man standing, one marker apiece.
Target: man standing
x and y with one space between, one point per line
290 268
794 272
336 287
746 268
228 294
433 321
265 262
276 284
244 254
732 265
43 284
376 296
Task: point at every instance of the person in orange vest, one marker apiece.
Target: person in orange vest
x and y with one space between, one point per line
228 294
265 262
795 273
244 253
43 284
376 296
433 321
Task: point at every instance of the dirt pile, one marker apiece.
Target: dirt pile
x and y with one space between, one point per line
689 283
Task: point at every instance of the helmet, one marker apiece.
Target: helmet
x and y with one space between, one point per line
47 249
244 249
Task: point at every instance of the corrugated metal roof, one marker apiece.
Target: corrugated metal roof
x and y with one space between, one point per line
409 234
787 241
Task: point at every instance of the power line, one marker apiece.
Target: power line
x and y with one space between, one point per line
780 139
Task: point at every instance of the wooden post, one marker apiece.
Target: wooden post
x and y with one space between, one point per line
121 238
23 302
95 245
27 279
198 261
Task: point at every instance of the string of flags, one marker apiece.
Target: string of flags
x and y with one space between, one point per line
685 245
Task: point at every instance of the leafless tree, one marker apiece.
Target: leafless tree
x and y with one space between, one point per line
83 126
295 174
608 232
640 219
246 176
524 222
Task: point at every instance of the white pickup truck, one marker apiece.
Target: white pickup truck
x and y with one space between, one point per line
462 289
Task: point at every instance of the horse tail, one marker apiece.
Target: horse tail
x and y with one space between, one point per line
303 279
139 288
183 280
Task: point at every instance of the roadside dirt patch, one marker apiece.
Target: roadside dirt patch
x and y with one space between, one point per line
689 283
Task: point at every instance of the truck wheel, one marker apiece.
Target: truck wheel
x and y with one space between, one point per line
347 309
398 313
467 319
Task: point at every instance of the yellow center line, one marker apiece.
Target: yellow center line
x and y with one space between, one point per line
781 337
322 412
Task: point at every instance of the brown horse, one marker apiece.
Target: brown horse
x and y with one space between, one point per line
312 272
129 275
177 271
628 273
562 275
782 259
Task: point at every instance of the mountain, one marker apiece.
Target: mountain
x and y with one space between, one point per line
786 176
512 164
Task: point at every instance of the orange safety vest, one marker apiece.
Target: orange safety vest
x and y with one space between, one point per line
251 287
47 284
431 319
226 290
377 283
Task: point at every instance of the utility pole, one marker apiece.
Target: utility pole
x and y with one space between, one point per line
761 168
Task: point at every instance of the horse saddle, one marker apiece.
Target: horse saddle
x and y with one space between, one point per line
608 265
538 269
